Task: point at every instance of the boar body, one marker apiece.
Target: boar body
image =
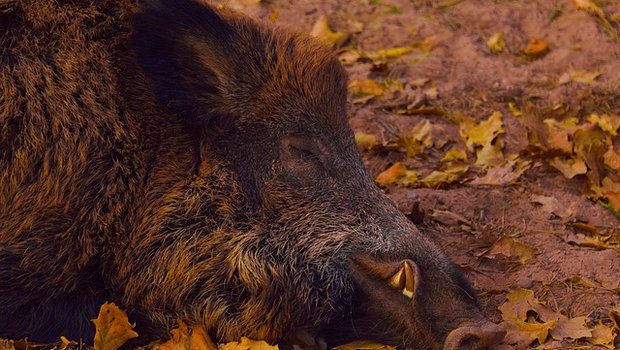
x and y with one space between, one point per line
194 164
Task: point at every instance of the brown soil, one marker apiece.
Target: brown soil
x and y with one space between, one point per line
472 80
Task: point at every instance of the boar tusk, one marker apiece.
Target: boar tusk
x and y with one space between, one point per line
404 280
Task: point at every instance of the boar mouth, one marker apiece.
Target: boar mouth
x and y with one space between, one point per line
384 310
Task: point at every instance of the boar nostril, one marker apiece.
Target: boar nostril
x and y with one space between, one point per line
404 279
474 337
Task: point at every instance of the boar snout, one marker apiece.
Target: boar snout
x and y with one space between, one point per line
474 336
419 307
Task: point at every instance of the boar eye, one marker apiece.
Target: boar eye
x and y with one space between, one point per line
303 153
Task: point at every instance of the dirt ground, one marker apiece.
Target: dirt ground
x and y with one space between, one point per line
472 80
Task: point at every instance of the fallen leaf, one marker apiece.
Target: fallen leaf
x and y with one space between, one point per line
349 57
112 328
496 42
524 333
483 133
454 154
248 344
511 249
610 190
426 45
445 177
603 335
535 48
366 142
391 174
392 53
589 6
365 87
559 136
490 155
582 76
449 218
552 205
364 345
574 328
6 344
516 112
185 338
611 158
608 123
322 31
504 174
569 167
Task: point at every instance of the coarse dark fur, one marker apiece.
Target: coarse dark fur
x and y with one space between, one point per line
193 164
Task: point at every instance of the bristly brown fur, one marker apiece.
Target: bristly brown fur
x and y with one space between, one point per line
189 164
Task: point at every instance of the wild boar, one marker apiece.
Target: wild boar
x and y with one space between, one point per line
191 163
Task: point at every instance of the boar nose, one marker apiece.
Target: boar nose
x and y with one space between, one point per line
474 336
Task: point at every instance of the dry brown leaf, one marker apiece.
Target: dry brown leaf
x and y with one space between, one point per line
496 42
552 205
574 328
569 167
535 48
504 174
511 249
391 174
611 158
184 338
610 190
322 31
559 136
248 344
112 328
6 344
364 345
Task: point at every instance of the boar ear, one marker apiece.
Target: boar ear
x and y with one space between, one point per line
403 275
183 47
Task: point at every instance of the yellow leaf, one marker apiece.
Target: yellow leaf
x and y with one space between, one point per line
365 141
610 190
589 6
322 31
496 42
391 174
569 167
535 48
365 87
603 335
607 123
445 177
582 76
511 249
514 110
490 155
524 333
364 345
483 133
611 158
454 154
112 328
427 44
248 344
394 52
349 57
184 338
